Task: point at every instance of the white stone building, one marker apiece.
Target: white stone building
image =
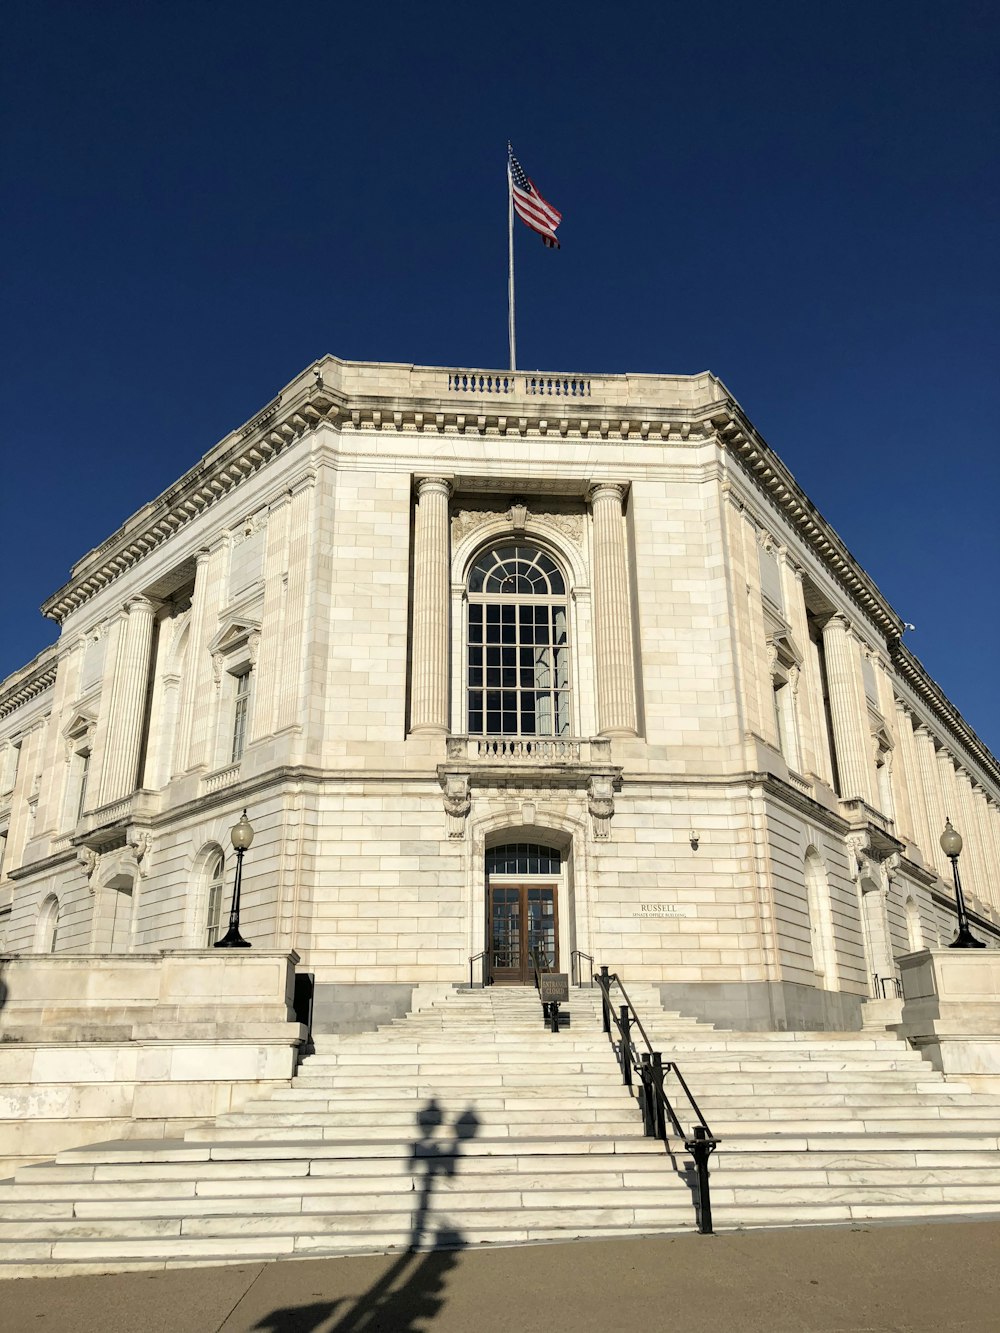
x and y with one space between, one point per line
496 663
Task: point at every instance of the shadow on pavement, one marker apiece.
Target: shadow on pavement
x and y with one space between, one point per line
410 1293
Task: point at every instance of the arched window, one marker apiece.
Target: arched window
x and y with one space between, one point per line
518 644
213 913
47 930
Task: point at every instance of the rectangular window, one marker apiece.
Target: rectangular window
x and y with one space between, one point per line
214 913
241 714
518 671
84 768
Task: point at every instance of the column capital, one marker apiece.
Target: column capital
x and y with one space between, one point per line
615 490
145 605
838 620
440 484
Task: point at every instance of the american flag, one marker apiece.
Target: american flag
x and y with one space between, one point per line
529 205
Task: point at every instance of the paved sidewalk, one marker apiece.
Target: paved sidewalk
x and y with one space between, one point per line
878 1279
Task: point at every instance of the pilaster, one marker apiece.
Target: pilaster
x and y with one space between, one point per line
615 666
429 661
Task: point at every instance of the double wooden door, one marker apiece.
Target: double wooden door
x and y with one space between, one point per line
522 926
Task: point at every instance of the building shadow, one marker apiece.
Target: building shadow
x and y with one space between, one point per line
411 1291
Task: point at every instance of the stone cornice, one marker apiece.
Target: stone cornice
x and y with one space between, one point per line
32 680
772 477
931 695
433 405
369 399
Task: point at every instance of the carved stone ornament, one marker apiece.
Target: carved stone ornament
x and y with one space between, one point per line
601 804
569 526
139 842
457 802
869 866
88 858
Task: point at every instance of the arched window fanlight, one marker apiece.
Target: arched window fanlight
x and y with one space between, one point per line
516 569
518 680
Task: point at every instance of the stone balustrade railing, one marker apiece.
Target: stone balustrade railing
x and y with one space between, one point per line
139 804
495 382
225 777
529 749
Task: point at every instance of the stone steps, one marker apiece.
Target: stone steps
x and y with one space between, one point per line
468 1123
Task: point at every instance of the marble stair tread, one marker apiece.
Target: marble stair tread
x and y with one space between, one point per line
815 1128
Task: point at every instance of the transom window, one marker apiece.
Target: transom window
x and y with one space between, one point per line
523 858
518 644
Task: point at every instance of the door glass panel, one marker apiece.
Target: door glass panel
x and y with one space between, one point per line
542 927
506 929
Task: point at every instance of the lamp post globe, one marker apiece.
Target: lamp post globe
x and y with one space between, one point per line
241 835
951 845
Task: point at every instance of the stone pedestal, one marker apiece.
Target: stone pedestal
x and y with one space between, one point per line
951 1012
104 1046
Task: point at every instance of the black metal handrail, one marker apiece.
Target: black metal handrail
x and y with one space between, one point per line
656 1106
486 979
888 988
576 960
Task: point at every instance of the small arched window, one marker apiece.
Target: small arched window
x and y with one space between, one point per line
47 931
213 915
518 644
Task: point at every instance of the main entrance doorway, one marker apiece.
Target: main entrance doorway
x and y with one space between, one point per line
522 927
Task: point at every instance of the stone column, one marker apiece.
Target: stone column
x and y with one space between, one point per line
615 668
128 702
931 782
907 777
850 723
429 658
978 859
989 822
795 609
190 684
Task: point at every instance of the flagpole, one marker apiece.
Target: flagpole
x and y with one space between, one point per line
510 266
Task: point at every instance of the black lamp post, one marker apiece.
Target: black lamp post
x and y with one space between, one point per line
951 845
242 836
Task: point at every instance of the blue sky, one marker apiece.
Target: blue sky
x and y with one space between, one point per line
203 198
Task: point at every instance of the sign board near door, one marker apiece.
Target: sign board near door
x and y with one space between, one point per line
553 986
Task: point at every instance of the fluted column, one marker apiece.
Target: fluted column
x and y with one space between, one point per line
989 822
933 805
615 668
905 780
429 659
850 723
191 685
977 860
128 703
919 804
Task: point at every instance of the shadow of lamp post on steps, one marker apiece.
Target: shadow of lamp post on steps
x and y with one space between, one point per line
242 836
407 1296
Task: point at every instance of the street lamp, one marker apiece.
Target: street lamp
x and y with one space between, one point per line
951 845
242 836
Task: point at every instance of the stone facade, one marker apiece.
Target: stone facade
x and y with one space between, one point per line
713 720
